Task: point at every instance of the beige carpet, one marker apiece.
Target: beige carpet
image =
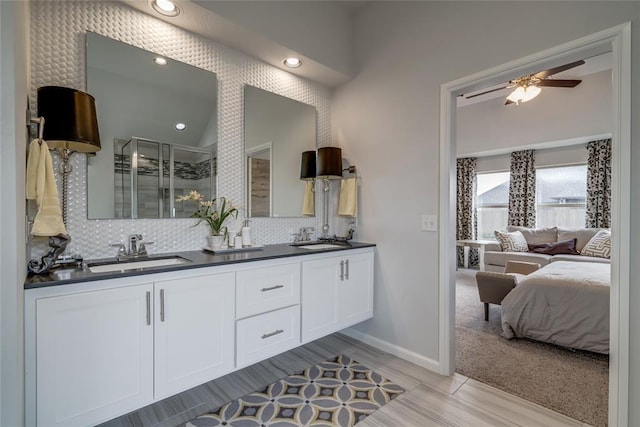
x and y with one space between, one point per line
574 383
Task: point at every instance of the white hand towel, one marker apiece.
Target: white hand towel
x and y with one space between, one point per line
48 221
32 168
348 204
308 204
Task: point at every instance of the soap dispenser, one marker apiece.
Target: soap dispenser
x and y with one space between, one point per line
237 243
246 234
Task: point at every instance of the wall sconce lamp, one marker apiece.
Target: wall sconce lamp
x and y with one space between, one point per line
72 126
327 167
308 166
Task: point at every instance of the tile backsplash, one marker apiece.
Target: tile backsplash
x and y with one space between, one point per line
58 31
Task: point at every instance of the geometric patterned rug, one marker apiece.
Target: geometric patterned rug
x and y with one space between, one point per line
338 392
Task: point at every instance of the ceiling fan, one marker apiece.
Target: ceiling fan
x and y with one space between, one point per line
528 87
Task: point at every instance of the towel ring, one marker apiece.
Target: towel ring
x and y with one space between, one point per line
40 122
350 169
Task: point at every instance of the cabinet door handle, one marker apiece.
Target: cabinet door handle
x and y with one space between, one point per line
270 334
342 270
148 308
272 288
346 274
162 305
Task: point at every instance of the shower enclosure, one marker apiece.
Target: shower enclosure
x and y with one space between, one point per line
151 175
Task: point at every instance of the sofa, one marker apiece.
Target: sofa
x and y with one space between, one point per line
495 259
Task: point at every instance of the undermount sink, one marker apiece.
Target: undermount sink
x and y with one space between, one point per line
106 267
322 246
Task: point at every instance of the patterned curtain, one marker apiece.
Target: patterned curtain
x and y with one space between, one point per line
466 218
522 189
598 214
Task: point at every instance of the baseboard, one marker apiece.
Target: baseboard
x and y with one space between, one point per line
400 352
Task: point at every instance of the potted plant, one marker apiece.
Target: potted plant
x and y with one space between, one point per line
208 212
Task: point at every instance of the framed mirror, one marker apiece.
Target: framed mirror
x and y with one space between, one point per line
158 126
276 132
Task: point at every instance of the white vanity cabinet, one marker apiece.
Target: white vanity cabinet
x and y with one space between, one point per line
194 333
97 349
94 355
337 292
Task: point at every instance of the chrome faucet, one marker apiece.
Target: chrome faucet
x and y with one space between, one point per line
304 235
134 240
136 248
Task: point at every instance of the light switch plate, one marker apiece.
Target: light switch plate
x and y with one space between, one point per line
429 223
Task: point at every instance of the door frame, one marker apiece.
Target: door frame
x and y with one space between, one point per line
617 40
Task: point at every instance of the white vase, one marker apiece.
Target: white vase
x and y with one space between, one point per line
215 242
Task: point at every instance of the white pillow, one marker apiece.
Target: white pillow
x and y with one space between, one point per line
599 245
512 241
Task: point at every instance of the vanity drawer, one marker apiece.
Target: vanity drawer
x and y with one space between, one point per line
266 289
266 335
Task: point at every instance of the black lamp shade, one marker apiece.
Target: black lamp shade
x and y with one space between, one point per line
70 119
308 166
329 163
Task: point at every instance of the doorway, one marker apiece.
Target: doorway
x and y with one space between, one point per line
618 40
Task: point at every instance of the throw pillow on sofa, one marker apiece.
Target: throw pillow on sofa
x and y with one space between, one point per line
538 235
583 235
599 245
512 241
567 247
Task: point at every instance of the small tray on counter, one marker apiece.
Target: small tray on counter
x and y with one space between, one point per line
229 250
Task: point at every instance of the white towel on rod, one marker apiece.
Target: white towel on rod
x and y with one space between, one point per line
308 204
33 158
41 186
348 203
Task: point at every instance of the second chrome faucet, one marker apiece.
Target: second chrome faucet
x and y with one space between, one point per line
135 248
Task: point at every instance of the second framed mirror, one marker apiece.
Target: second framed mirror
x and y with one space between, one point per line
276 131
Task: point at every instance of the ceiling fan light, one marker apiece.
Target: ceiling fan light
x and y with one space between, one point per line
517 95
530 93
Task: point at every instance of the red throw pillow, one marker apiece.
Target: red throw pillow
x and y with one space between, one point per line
567 247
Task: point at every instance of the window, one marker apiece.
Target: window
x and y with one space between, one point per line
561 193
560 196
492 203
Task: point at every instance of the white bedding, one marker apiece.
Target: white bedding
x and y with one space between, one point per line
564 303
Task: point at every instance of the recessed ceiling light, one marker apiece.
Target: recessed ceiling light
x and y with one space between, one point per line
160 60
292 62
180 126
165 7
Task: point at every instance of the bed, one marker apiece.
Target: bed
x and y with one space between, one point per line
564 303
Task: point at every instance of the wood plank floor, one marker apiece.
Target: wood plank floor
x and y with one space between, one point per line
429 400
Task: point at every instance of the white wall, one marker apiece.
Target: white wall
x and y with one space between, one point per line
13 104
556 114
387 118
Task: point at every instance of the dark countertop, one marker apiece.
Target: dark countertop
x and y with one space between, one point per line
199 259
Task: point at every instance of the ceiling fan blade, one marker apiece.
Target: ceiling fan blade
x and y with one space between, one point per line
485 92
559 83
546 73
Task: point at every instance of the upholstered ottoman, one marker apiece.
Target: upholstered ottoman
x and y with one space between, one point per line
493 287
